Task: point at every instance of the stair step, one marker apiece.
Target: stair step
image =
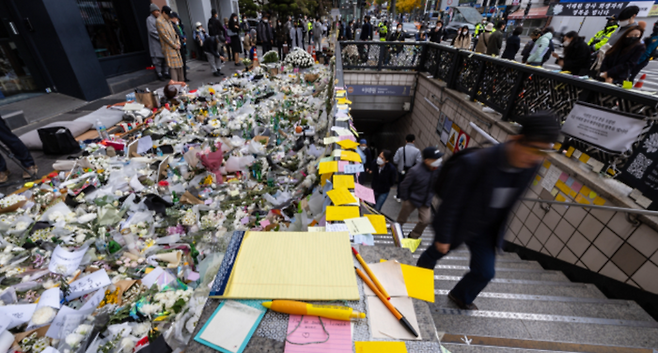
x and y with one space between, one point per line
518 265
498 285
464 348
509 273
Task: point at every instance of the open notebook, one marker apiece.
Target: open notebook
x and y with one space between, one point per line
287 265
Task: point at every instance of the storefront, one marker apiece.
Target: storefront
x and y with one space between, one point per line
536 18
70 46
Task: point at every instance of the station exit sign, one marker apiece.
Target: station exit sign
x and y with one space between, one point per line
367 90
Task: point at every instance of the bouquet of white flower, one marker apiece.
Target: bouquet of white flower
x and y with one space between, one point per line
299 58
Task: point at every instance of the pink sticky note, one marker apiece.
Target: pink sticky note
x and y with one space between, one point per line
264 223
364 193
341 165
193 276
310 330
347 137
576 186
245 220
564 177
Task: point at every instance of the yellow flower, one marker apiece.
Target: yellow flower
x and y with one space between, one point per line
211 90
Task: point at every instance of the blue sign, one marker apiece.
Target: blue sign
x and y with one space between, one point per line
363 90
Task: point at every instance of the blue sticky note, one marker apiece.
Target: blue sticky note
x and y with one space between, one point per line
256 304
570 181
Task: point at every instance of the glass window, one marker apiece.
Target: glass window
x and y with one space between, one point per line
108 26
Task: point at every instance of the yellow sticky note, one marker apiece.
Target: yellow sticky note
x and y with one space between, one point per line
340 196
562 186
356 134
560 198
535 182
411 244
359 225
547 164
344 181
599 201
627 85
572 193
581 199
554 192
316 229
328 167
234 193
570 152
583 158
380 347
324 178
585 191
592 195
557 146
419 282
350 156
379 222
348 144
344 101
340 213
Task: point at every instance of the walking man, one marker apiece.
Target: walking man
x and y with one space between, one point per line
265 34
157 58
406 157
478 190
417 190
170 44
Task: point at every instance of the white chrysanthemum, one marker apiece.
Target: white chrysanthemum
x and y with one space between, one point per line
127 345
43 315
83 329
142 329
21 226
74 339
87 218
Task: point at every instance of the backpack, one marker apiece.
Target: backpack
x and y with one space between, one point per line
58 141
440 186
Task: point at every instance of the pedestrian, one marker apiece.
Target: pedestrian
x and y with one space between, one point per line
541 48
20 152
233 30
170 44
483 40
297 35
281 36
576 54
406 157
383 177
155 48
349 31
495 42
317 34
626 20
651 44
478 191
437 33
417 190
512 44
367 159
463 39
366 35
479 30
244 29
228 45
199 36
213 47
603 36
621 59
265 33
396 35
534 35
180 31
250 40
309 26
214 25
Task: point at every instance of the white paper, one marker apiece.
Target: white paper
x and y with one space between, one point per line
552 176
5 321
66 261
149 279
19 314
596 165
231 325
136 184
337 227
69 324
95 299
354 168
50 350
58 323
51 297
144 144
342 117
89 284
364 239
133 106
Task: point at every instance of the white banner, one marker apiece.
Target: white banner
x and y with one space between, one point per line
603 128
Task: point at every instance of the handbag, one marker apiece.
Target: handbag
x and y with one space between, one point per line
148 99
58 141
285 48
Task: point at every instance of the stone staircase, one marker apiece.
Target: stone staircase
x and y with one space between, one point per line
527 309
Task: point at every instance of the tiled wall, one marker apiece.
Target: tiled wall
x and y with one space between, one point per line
601 241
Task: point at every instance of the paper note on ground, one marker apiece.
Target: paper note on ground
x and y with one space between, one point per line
350 156
231 325
419 282
19 314
348 144
62 314
384 325
389 274
411 244
378 222
341 213
364 193
360 225
344 181
310 330
328 167
144 144
340 196
64 262
380 347
89 284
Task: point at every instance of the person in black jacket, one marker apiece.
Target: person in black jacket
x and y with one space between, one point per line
214 25
383 177
576 54
623 56
478 192
513 44
366 35
236 46
349 31
265 34
437 33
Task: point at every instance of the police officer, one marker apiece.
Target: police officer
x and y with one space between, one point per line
383 30
601 37
479 28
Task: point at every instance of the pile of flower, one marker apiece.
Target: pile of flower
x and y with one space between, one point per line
270 57
120 250
299 58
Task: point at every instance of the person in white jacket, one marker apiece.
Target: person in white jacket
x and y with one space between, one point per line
541 47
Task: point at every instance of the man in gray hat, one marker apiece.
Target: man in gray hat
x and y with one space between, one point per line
155 48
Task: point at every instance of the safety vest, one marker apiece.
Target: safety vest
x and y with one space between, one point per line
601 37
383 30
479 28
310 26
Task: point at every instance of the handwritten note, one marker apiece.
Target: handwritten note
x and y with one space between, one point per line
360 225
144 144
340 213
310 330
337 227
342 165
57 324
19 314
364 193
95 299
354 168
89 284
69 324
340 196
350 156
344 181
551 178
379 222
65 262
5 321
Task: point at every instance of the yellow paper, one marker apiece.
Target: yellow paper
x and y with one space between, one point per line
581 199
419 282
328 167
316 229
340 196
344 101
330 140
336 153
324 178
348 144
592 195
380 347
573 193
554 192
557 146
560 198
379 222
570 152
599 201
294 265
350 156
359 225
341 213
585 191
547 164
356 134
411 244
627 84
583 158
563 187
344 181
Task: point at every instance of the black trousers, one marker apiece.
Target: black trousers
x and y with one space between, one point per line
15 145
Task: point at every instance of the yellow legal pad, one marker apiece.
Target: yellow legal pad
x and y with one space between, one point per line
380 347
293 265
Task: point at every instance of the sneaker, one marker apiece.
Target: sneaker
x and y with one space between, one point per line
216 73
461 304
33 170
238 64
4 176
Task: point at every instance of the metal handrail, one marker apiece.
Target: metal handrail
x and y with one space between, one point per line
607 208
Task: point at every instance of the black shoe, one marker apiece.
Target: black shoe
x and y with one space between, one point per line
167 76
161 78
187 80
220 73
216 73
238 64
460 304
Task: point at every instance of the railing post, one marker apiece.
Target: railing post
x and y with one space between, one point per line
423 57
454 71
382 55
514 96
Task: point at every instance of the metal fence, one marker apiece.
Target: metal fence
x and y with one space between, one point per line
510 88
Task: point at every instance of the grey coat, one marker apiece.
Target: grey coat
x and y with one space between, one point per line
155 48
417 186
317 31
